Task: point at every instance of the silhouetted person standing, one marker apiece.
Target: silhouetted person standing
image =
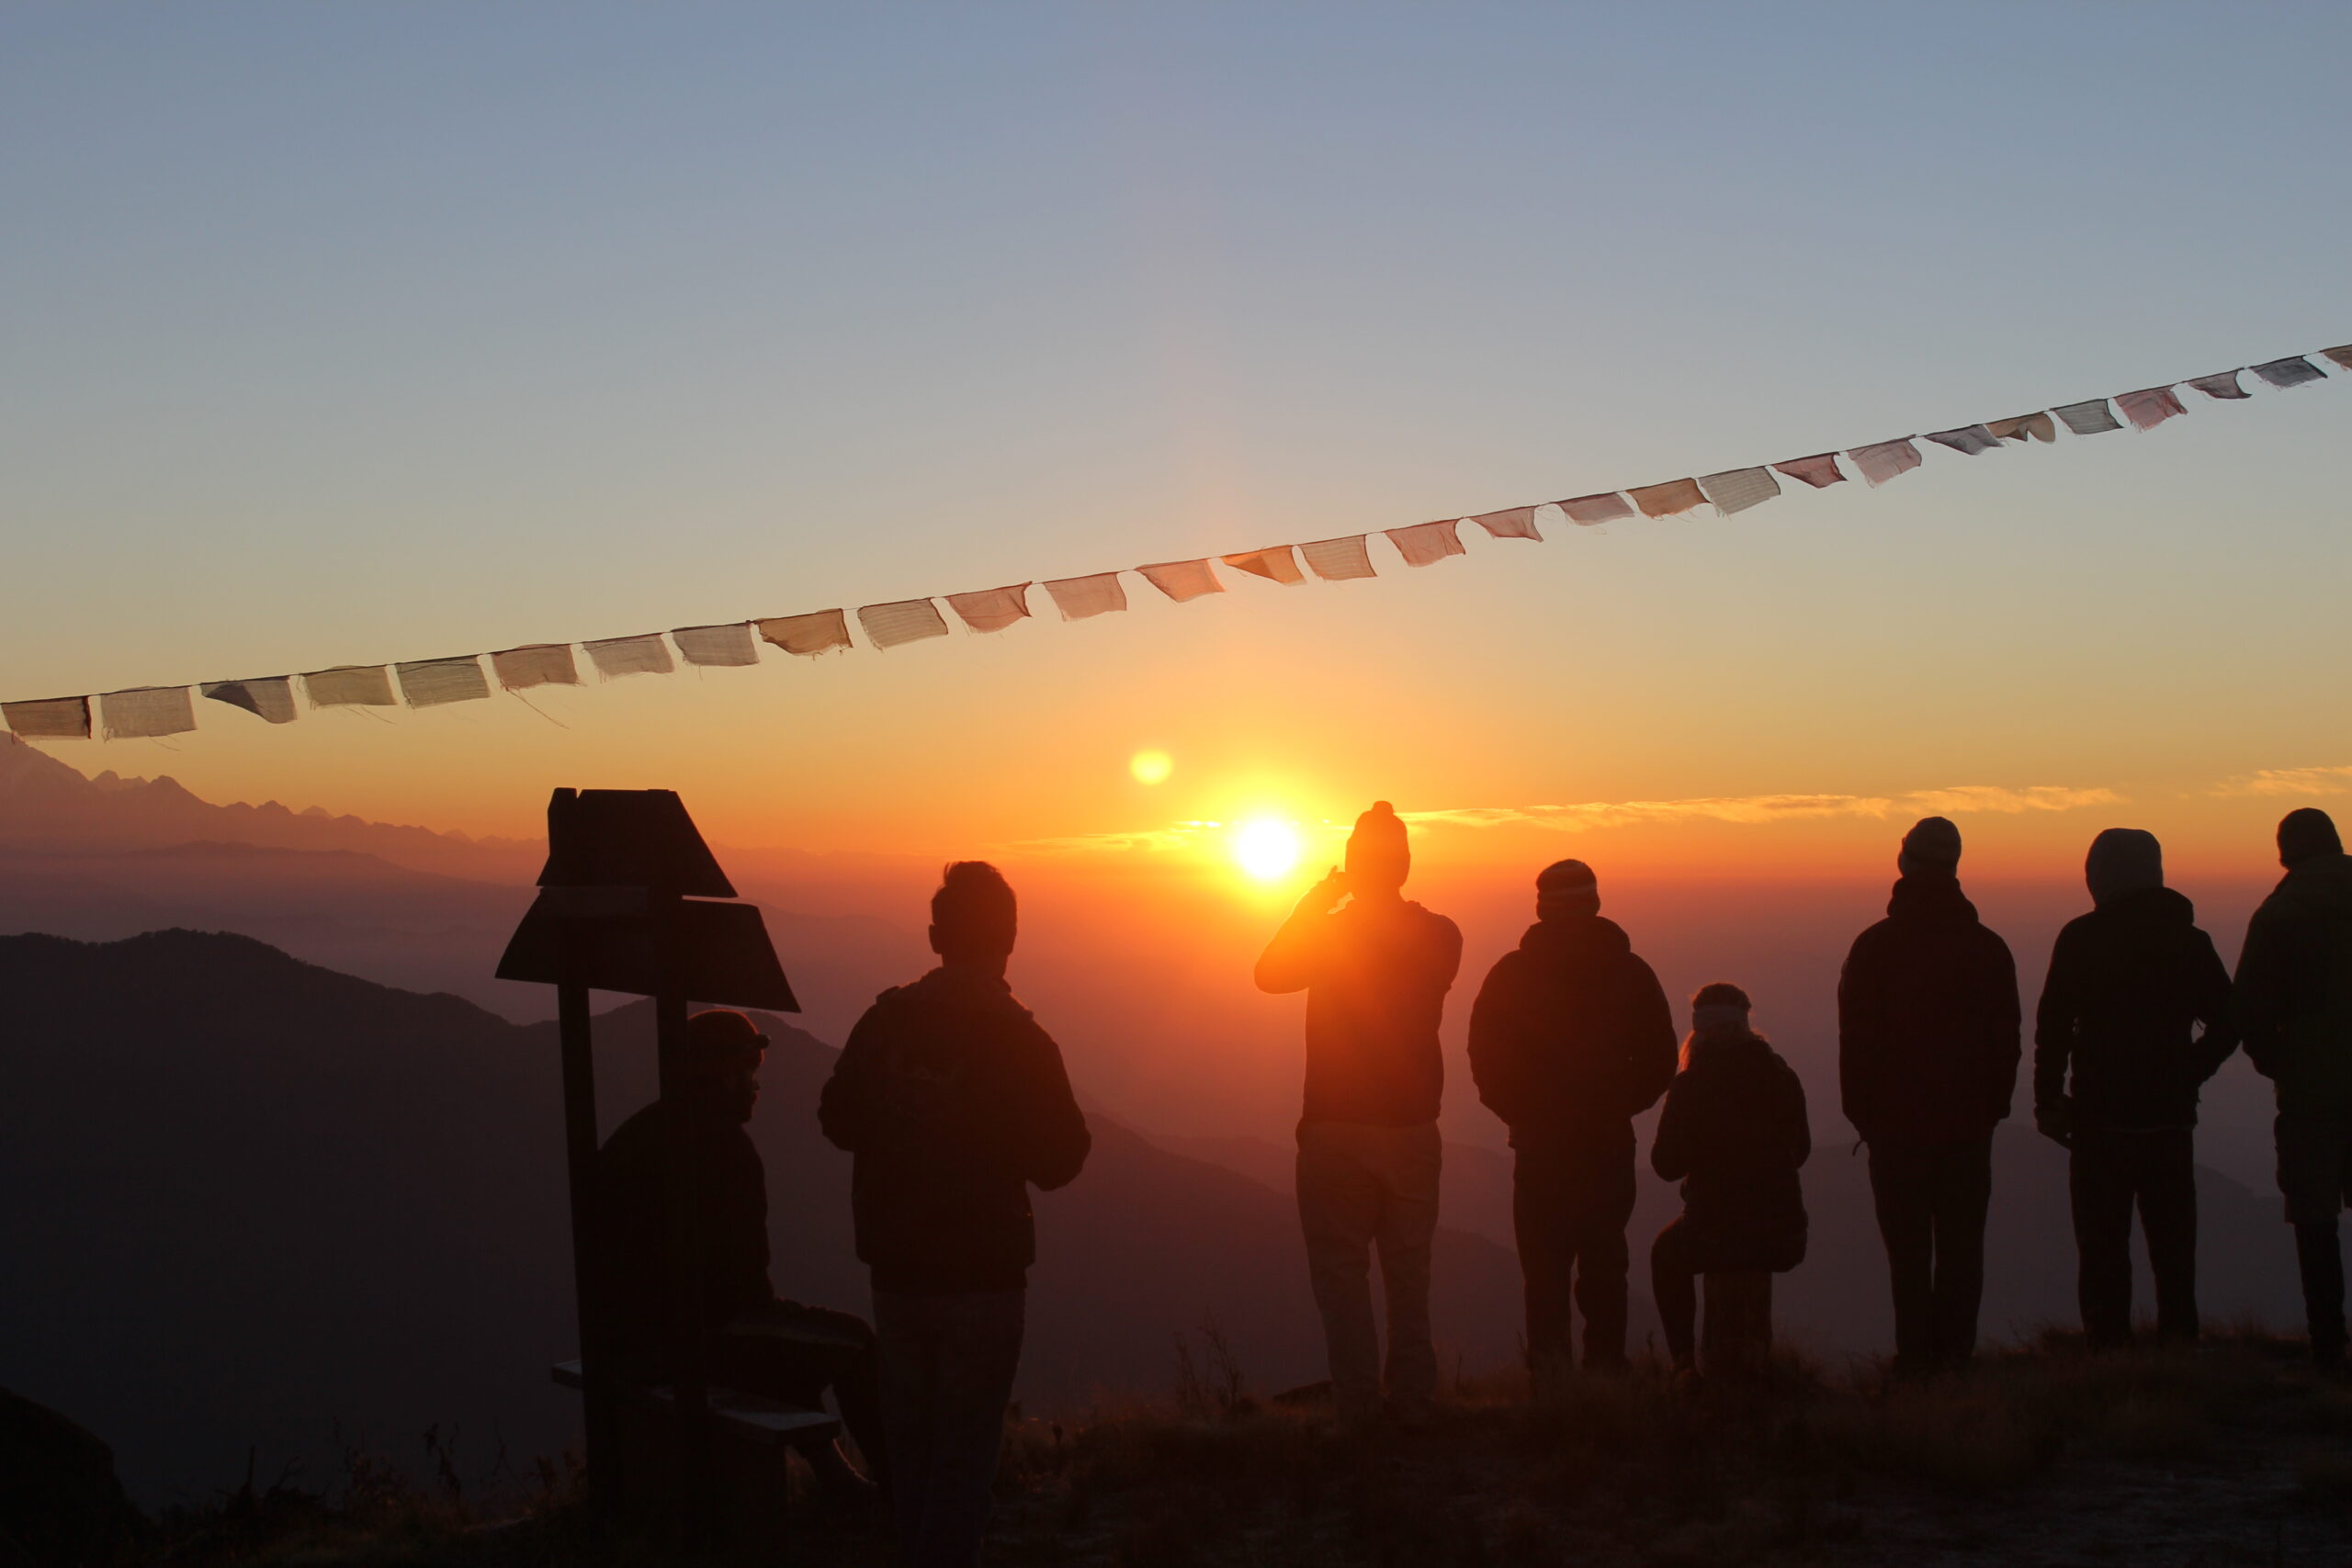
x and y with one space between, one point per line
1928 1053
2129 986
1376 974
2294 1007
752 1340
1734 1134
954 1102
1570 1039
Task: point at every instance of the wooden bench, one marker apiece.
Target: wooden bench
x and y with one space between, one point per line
748 1416
1735 1335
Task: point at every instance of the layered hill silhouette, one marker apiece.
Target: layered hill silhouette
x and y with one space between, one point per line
257 1203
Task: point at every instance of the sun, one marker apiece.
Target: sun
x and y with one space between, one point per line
1266 848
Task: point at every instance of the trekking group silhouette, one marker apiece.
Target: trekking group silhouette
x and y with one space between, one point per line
954 1102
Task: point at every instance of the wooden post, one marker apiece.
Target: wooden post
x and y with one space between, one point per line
691 1378
597 1404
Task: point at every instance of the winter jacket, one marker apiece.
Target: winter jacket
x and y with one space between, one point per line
954 1102
1734 1132
1376 974
632 1210
2129 984
1928 1021
2293 998
1571 1037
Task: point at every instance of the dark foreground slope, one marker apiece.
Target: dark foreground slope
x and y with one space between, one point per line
249 1204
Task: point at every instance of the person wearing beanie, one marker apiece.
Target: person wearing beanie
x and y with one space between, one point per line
1928 1051
1734 1132
2294 1009
2134 1017
1376 968
1570 1039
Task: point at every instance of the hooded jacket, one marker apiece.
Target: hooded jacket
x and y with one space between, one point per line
632 1209
1571 1037
1928 1021
2127 985
954 1102
1376 974
1734 1132
2293 998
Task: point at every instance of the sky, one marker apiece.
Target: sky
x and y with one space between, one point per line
360 333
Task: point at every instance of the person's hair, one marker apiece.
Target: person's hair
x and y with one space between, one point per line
1719 994
974 901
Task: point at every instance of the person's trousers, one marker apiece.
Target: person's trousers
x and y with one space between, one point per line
2315 1175
794 1353
1674 1267
2111 1173
1361 1188
1569 1210
1931 1200
947 1363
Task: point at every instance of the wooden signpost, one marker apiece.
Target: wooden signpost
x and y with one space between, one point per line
621 907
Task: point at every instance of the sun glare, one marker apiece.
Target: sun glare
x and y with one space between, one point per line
1151 767
1266 848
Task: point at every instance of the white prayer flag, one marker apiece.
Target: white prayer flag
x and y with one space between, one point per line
350 686
2025 427
1512 523
644 654
1079 597
902 621
1588 509
539 664
2091 418
2293 371
51 719
1278 563
1666 500
2224 386
1336 560
145 712
1426 543
1968 440
429 683
1884 460
1183 580
726 646
1736 490
819 631
271 697
992 609
1820 472
2343 356
2148 409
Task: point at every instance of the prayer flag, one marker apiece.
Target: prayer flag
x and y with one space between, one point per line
1736 490
146 711
1079 597
820 631
53 718
2148 409
644 654
1819 472
902 621
2343 356
2025 427
1336 560
2091 418
2224 386
350 686
539 664
2294 371
726 646
1588 509
1512 523
1279 563
1666 500
429 683
992 609
1425 543
271 697
1183 580
1884 460
1968 440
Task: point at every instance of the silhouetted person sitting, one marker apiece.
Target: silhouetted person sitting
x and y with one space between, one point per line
954 1102
1375 975
1928 1053
2129 984
1734 1132
2294 1007
1571 1039
752 1340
